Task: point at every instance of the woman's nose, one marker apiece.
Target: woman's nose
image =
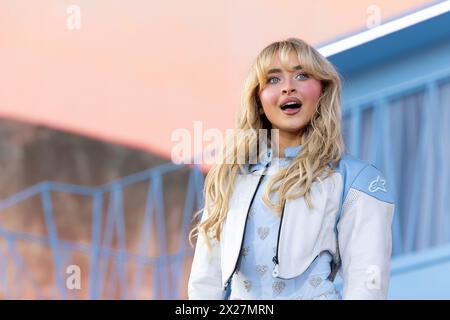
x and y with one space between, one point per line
288 90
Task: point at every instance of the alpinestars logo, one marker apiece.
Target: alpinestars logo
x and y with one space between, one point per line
378 184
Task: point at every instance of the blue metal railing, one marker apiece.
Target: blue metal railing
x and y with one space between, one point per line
101 249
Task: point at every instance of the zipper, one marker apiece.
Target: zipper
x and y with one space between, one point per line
245 225
226 292
275 259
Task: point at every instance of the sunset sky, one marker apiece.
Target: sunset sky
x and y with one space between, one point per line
138 70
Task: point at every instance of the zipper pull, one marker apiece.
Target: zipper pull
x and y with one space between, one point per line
225 287
275 267
226 290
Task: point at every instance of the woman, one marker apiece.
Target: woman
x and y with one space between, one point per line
281 228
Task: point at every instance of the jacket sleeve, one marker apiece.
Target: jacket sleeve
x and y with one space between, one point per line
205 280
365 236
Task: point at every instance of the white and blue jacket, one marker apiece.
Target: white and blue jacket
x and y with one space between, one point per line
351 219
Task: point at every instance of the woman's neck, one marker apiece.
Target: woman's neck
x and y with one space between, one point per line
286 140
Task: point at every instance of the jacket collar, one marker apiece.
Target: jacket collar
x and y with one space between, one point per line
266 157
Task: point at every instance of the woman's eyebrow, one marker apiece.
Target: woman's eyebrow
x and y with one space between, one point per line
279 70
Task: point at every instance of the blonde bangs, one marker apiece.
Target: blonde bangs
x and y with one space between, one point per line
307 58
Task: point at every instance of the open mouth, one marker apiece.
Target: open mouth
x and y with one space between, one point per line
291 107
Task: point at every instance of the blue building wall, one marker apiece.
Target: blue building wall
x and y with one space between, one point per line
412 67
396 114
421 275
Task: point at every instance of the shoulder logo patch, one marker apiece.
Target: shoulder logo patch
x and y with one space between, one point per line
378 184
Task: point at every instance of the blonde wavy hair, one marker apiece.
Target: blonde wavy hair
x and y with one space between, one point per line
321 139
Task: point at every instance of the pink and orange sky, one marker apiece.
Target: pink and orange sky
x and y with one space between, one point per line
138 70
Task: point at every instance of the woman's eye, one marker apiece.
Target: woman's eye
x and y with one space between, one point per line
303 76
272 78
